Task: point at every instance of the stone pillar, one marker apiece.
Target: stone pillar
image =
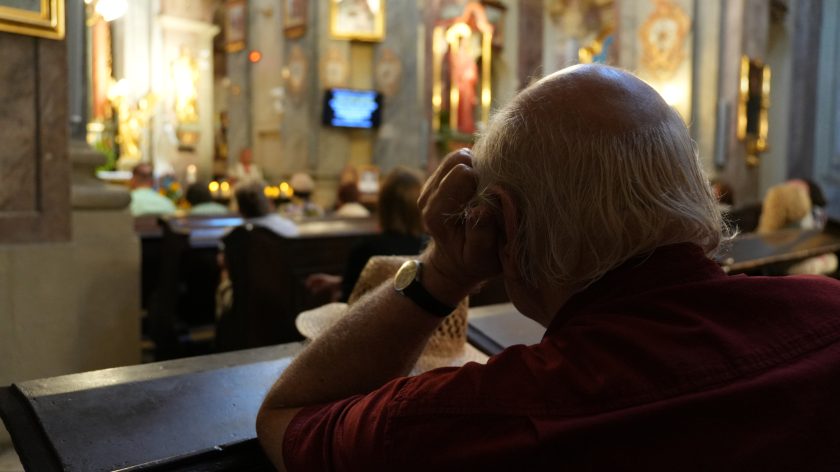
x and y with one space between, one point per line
402 138
266 81
806 63
238 103
530 44
704 98
76 34
69 302
780 56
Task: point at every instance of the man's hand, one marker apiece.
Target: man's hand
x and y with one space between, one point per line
465 230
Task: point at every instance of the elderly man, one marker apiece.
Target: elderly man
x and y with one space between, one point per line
586 194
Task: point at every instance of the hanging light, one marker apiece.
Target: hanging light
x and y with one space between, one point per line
111 10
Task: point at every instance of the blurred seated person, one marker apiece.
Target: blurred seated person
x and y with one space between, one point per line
301 205
201 201
402 234
245 170
818 203
145 200
258 210
348 202
788 205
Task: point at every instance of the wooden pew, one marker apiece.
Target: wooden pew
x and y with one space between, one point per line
193 414
767 253
187 414
181 266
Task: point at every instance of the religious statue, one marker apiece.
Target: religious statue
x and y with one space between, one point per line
462 50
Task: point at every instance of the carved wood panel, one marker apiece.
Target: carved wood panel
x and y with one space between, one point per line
34 171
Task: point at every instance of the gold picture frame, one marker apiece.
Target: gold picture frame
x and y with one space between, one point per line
753 108
235 25
294 18
41 18
359 20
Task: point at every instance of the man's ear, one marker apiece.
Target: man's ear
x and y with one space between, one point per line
508 219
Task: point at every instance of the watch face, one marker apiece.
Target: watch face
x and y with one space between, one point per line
405 275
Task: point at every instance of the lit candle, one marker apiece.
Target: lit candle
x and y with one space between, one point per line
192 174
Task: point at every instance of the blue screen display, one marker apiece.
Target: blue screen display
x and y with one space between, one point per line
349 108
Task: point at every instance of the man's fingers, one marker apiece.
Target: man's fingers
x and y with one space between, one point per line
447 204
461 156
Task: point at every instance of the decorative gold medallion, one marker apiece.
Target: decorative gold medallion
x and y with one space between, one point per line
663 37
334 68
388 72
297 71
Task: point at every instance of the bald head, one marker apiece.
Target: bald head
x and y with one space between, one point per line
600 169
594 97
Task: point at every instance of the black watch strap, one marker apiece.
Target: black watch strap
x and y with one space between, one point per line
422 298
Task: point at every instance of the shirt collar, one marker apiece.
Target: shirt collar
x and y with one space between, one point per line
664 266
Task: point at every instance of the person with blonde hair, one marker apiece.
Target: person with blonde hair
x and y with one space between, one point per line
788 205
586 194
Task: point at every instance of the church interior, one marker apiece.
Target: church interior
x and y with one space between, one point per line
320 101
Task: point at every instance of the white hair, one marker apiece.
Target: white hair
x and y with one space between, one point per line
589 199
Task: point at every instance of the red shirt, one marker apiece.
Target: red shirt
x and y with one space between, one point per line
664 364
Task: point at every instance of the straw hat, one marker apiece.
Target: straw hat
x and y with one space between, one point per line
448 345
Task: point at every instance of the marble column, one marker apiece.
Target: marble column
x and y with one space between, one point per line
806 63
530 44
402 138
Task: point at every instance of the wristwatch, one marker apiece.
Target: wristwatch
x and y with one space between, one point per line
407 282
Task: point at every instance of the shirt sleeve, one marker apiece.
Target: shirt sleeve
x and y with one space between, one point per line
440 420
344 435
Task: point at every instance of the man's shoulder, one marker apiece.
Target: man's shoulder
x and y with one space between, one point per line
801 290
148 201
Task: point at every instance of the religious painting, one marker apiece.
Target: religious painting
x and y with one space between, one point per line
236 23
42 18
361 20
294 18
663 36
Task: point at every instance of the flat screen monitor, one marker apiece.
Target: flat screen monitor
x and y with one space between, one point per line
349 108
